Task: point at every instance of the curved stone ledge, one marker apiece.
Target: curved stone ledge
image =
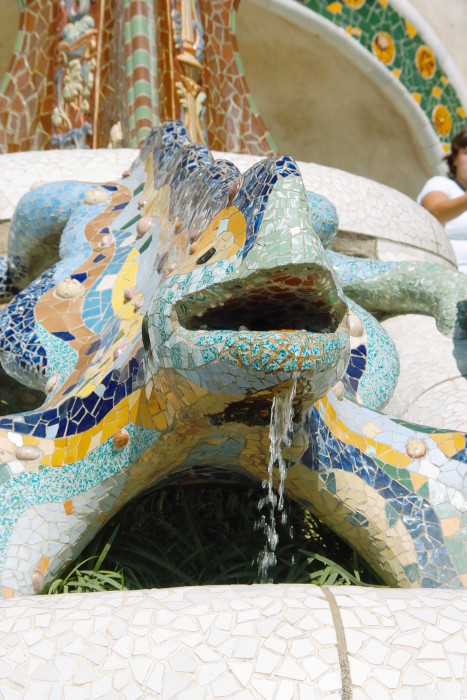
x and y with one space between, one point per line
393 224
265 641
391 84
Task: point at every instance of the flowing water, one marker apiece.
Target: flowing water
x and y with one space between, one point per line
280 435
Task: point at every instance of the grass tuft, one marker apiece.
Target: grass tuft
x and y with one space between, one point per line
205 535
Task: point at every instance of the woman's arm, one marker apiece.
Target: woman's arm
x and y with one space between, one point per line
443 208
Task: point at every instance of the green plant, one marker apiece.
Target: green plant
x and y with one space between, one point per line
82 580
201 535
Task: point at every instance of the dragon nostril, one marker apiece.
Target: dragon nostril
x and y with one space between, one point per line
145 337
233 189
207 256
161 263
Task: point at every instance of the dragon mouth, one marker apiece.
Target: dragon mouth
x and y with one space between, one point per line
296 299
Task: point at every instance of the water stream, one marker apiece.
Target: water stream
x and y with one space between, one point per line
280 435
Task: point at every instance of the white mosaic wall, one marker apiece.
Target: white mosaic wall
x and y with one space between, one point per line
264 642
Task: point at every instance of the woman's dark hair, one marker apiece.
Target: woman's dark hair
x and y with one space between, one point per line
459 141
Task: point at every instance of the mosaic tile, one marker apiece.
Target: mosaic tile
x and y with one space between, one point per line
62 85
185 303
91 75
162 642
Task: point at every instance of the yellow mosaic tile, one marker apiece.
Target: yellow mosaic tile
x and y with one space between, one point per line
140 415
449 443
228 241
69 507
148 189
450 526
58 457
397 459
157 402
418 480
411 31
173 401
43 565
72 455
126 278
160 422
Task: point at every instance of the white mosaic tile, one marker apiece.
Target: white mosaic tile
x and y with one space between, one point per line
23 170
262 666
428 392
408 659
48 650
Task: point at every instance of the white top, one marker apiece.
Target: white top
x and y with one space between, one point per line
456 228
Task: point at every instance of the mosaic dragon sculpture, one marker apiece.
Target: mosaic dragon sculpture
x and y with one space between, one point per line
186 297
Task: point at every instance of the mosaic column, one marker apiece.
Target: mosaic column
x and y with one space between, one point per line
140 105
233 122
201 75
26 91
48 96
180 42
76 68
82 67
189 46
111 77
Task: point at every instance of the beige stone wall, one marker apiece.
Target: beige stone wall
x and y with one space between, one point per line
319 107
9 16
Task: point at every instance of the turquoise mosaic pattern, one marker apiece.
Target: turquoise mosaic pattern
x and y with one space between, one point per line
385 33
374 365
62 357
409 287
187 297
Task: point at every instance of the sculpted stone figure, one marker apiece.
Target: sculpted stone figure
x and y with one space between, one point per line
187 299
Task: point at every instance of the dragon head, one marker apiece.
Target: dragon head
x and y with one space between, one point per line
247 300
